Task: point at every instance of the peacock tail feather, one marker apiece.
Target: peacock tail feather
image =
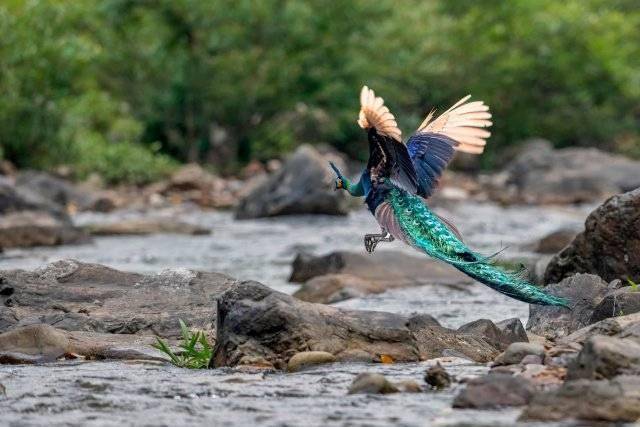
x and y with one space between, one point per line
424 230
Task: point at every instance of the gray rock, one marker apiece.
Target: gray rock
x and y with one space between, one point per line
437 377
26 221
333 288
490 332
622 327
368 383
143 226
304 185
615 400
54 192
618 303
495 391
383 268
518 351
555 241
541 174
89 297
583 291
606 357
513 330
532 359
44 343
256 320
609 246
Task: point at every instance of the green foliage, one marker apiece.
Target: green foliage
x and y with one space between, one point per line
634 285
195 351
224 81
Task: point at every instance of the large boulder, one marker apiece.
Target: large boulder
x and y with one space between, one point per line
256 321
302 186
75 296
26 220
609 246
606 357
616 400
583 291
541 174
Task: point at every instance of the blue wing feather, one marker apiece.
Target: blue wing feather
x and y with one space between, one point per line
430 154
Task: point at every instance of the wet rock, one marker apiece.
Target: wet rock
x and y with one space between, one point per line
332 288
368 383
609 246
499 338
437 377
76 296
43 343
518 351
532 359
583 291
541 174
256 320
309 358
606 357
142 226
495 391
615 400
384 268
302 186
408 386
513 330
618 303
555 241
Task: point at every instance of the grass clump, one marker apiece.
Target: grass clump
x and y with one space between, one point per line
195 350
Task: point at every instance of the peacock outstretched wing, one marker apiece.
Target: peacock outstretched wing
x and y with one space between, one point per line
431 148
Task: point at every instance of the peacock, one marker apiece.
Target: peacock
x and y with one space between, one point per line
400 177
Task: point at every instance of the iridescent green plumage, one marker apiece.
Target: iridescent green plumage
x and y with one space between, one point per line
424 230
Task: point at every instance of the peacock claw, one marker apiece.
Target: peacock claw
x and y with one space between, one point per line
372 240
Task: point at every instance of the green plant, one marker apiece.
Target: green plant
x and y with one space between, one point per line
195 349
634 285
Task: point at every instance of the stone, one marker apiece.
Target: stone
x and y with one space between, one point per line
408 386
492 334
518 351
532 359
332 288
142 226
369 383
540 174
555 241
609 246
256 320
622 327
309 358
583 291
513 330
614 401
620 302
304 185
384 268
54 192
437 377
495 391
44 343
77 296
605 357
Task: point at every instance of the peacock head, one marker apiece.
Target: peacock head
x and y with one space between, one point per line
339 181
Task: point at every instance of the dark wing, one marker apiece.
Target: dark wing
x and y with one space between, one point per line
388 156
432 147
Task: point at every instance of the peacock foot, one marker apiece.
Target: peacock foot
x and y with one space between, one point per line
372 240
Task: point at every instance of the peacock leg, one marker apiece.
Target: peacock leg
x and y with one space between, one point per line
372 240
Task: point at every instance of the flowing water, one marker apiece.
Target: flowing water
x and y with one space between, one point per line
118 393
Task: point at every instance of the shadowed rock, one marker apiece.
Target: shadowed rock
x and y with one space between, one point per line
75 296
437 377
583 291
302 186
254 320
609 246
497 337
606 357
618 303
495 391
615 400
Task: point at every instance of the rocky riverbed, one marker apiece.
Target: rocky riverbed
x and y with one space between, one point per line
135 392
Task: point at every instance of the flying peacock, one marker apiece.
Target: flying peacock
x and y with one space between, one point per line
398 178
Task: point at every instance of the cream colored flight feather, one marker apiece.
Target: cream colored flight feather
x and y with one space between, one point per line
464 123
373 113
